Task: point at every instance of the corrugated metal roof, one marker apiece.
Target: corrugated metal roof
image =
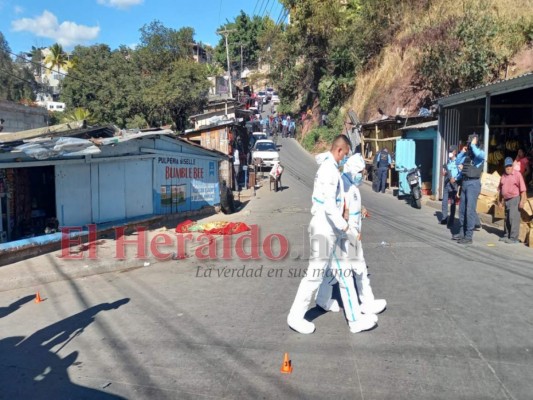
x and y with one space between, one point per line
422 125
46 147
494 88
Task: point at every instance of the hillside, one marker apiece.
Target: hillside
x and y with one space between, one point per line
493 36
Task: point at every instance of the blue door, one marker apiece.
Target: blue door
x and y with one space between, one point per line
405 160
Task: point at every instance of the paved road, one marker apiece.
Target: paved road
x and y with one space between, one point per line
458 325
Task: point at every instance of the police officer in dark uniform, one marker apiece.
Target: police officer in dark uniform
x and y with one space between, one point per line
470 162
383 163
450 187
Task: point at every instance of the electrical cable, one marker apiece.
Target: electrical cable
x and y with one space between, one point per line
51 69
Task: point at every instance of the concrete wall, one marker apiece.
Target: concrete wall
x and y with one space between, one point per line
18 117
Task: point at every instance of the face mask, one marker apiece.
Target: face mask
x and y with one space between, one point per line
450 155
358 179
343 161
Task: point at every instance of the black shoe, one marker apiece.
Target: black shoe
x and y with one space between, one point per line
444 221
477 227
465 241
457 237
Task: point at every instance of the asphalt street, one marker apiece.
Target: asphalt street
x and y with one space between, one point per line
458 323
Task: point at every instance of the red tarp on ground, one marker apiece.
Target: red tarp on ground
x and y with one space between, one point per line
212 228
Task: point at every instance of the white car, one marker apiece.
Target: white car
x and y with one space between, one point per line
275 98
259 136
266 150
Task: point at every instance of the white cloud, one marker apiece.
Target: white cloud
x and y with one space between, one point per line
46 25
18 9
120 3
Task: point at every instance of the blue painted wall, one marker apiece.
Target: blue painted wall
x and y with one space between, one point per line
427 134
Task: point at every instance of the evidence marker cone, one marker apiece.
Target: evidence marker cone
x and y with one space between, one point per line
286 367
38 298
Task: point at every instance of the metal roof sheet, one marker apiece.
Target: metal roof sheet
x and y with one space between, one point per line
494 88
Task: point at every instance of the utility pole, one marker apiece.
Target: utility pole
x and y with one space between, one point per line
226 32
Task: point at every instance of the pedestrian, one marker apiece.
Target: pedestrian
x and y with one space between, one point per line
383 162
325 228
470 163
236 168
512 191
284 127
351 257
450 187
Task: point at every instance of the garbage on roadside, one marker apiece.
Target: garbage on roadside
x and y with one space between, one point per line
213 228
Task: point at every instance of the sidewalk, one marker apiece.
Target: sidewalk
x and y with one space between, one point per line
53 266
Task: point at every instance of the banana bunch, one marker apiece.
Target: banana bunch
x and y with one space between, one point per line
495 157
493 141
512 145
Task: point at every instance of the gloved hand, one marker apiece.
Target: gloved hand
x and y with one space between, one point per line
353 236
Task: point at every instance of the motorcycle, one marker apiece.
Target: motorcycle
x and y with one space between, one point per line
413 178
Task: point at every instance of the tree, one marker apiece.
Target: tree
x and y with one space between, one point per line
77 114
247 34
56 58
181 91
16 80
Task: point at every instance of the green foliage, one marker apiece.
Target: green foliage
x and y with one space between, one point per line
78 114
57 58
136 121
54 117
247 32
16 79
463 57
309 141
155 84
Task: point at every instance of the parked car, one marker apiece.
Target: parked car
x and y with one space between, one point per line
269 92
254 110
275 98
259 136
266 150
262 95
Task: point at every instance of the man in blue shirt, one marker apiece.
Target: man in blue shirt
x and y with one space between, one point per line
450 187
383 161
470 163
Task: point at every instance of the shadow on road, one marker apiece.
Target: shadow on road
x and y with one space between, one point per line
32 369
5 311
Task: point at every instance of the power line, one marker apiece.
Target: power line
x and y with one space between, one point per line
22 79
260 7
271 8
256 3
264 11
51 69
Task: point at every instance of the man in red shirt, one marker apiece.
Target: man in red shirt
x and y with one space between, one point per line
512 190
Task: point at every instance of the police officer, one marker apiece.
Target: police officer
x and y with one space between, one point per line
470 162
450 187
384 161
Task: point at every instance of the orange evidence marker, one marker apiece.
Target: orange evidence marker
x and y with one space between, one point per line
286 367
38 298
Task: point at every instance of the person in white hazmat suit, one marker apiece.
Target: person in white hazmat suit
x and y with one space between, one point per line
326 227
352 257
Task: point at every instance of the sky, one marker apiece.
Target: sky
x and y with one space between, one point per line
41 23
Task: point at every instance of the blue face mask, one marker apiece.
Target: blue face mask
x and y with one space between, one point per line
358 179
343 161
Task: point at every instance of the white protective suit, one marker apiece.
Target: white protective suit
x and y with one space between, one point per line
352 256
325 227
326 231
